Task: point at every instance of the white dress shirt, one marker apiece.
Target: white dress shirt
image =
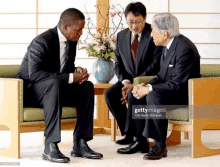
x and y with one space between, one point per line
62 40
132 39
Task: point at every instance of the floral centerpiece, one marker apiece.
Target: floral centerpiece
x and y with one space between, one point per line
103 44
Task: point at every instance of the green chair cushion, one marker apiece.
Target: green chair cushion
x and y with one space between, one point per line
8 71
210 70
142 79
179 114
37 114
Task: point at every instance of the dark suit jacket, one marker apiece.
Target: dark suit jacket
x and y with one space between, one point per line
42 59
181 63
147 59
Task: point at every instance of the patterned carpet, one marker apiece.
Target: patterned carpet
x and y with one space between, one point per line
178 156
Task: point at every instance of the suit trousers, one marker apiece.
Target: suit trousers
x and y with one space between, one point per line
150 127
52 95
113 97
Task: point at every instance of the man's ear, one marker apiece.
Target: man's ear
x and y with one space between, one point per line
165 35
65 27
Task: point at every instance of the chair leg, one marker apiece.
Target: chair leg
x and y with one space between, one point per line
10 115
113 129
13 150
186 135
198 149
174 138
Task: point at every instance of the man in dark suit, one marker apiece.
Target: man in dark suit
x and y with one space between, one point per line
179 63
52 81
135 55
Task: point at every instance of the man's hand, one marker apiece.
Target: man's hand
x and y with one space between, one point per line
127 87
140 90
83 71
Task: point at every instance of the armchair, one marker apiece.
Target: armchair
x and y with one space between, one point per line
204 99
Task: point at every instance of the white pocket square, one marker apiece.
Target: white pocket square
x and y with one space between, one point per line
170 65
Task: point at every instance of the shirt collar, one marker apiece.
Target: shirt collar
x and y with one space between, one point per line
169 44
139 35
62 38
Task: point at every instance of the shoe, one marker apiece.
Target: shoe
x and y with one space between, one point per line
134 147
124 141
156 152
81 149
53 154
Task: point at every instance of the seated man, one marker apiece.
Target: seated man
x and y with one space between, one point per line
135 55
51 80
180 62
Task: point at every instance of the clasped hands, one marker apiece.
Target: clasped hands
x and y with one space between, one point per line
139 91
81 75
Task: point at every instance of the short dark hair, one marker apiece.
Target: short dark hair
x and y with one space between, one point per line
136 8
69 15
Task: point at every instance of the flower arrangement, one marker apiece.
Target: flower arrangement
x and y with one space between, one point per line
103 44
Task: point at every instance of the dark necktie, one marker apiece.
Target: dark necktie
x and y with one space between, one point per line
165 53
64 58
134 47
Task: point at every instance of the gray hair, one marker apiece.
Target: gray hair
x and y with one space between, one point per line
166 22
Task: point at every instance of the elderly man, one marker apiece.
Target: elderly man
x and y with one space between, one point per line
180 62
135 55
51 81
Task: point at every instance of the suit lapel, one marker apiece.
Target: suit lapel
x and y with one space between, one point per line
166 61
142 47
56 48
128 51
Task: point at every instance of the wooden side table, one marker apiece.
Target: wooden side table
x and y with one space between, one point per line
102 125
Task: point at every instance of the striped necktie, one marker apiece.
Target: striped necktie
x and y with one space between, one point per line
64 58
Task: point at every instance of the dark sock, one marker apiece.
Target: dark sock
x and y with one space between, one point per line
159 143
129 136
142 140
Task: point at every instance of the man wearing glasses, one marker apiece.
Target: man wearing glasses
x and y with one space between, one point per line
136 55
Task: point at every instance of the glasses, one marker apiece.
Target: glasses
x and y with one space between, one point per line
136 22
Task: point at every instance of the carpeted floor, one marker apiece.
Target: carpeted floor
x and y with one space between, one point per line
178 156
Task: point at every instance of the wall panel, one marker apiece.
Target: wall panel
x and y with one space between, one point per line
195 6
18 21
17 6
13 51
52 6
202 35
17 35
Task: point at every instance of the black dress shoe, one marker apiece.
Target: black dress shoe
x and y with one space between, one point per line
156 152
81 149
134 147
124 141
53 154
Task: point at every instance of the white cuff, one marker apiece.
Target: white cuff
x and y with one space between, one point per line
125 80
71 79
150 87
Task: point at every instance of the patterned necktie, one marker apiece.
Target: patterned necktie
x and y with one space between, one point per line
64 58
165 53
134 47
